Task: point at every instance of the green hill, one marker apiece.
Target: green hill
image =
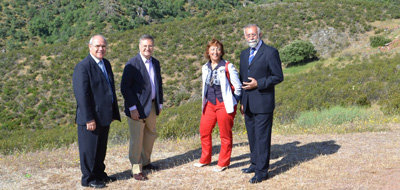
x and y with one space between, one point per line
28 23
37 106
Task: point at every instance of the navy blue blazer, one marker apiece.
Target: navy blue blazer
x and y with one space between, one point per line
93 95
266 68
136 86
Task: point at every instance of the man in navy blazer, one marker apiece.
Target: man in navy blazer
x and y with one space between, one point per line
141 86
260 71
97 107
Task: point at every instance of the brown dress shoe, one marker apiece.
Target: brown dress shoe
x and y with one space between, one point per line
140 177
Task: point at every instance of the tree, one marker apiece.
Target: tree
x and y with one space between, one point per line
39 27
298 52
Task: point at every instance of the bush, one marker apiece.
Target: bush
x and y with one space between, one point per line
298 52
376 41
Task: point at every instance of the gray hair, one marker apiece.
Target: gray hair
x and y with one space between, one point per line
146 37
97 35
251 25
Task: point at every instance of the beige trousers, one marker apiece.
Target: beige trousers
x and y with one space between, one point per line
142 136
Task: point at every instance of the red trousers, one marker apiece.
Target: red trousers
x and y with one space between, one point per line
212 114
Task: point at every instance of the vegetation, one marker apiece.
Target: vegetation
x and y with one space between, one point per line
28 23
334 116
298 52
36 98
355 84
337 119
376 41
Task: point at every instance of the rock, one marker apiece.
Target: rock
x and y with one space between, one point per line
328 41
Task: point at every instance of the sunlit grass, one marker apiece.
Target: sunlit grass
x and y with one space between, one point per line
300 68
334 116
337 120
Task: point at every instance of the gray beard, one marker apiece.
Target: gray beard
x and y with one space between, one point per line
253 44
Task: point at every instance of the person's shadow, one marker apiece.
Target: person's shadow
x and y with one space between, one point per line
177 160
292 155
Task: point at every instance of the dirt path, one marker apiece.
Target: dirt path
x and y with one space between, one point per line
346 161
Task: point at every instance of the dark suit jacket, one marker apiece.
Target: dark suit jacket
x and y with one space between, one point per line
136 86
267 70
92 93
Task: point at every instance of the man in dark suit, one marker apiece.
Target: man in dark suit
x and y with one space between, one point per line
141 86
260 71
93 83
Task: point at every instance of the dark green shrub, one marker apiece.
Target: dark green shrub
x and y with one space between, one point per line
376 41
298 52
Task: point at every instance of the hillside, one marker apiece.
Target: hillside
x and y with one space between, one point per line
37 102
29 23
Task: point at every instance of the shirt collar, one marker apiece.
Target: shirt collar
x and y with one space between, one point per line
258 45
95 58
143 58
221 63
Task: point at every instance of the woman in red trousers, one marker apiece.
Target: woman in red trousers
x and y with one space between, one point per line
220 94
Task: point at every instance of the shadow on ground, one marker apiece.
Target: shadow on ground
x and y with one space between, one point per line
291 155
179 160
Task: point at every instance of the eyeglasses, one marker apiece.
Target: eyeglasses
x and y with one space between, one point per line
214 49
148 46
250 35
98 46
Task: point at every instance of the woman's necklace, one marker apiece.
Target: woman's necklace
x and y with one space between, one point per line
213 65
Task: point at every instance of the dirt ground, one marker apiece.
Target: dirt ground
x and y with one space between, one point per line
333 161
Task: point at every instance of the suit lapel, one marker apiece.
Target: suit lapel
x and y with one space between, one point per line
146 77
97 69
143 69
260 51
107 65
156 68
246 58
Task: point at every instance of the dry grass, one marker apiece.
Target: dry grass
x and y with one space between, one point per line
350 161
362 47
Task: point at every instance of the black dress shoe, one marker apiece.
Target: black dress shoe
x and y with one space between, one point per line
140 177
248 170
150 167
109 179
97 184
257 179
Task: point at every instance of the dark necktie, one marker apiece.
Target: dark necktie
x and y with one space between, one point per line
103 69
251 54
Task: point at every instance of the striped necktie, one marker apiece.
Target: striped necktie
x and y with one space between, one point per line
252 54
